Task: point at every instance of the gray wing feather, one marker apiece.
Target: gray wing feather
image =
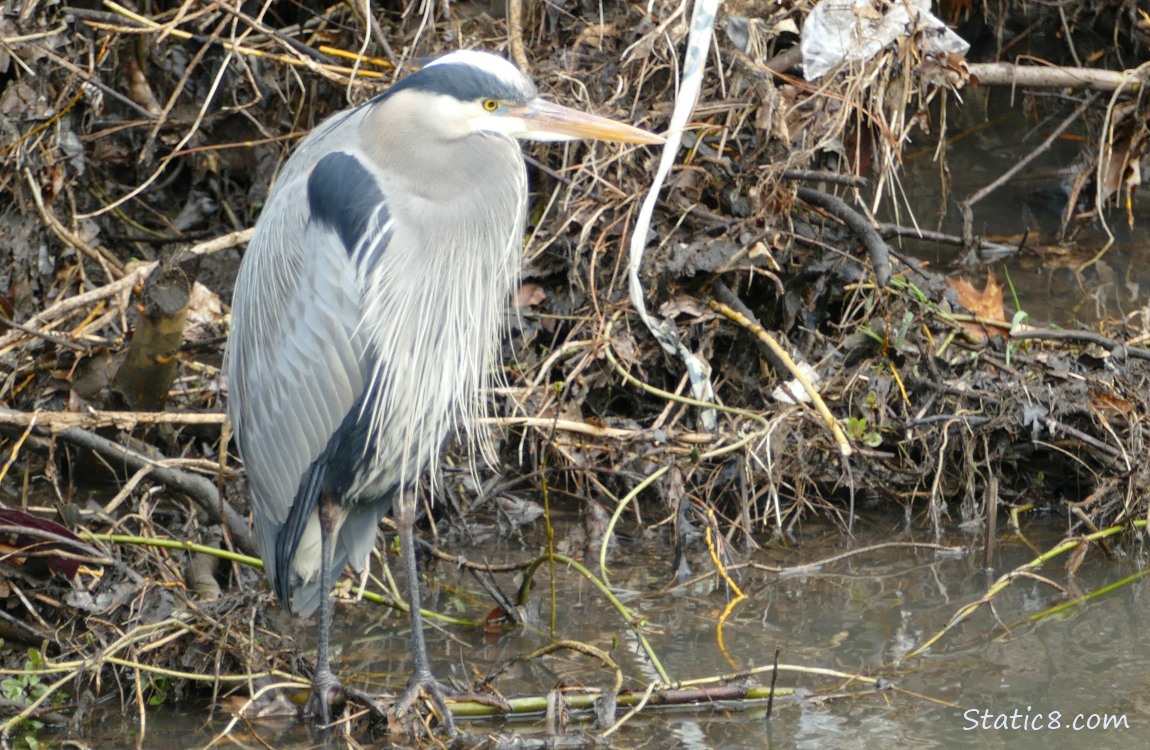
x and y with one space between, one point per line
320 403
296 363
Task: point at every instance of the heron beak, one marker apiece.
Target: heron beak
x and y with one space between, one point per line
547 121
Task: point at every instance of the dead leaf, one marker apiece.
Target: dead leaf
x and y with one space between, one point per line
498 621
35 546
985 303
682 304
1111 406
625 348
139 90
530 295
204 306
593 34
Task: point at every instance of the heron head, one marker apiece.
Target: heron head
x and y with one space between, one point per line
467 92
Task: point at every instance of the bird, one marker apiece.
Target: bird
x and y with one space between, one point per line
366 319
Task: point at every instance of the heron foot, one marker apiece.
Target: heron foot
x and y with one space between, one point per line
427 687
325 689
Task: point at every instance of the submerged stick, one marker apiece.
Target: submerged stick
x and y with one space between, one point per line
1025 570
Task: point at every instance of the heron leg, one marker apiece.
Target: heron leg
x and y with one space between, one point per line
422 682
324 684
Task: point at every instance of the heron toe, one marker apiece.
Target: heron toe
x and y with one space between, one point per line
402 712
325 690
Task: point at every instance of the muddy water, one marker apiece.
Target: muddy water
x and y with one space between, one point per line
1056 280
863 614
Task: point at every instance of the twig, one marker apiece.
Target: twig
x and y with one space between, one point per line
634 621
129 280
178 544
870 548
200 490
995 250
967 206
330 72
1023 570
374 29
725 306
818 175
739 597
878 250
94 80
515 35
585 428
1034 76
110 265
50 338
55 421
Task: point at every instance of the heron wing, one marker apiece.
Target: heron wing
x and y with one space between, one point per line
299 359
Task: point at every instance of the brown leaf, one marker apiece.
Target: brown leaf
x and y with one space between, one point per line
1076 558
93 374
530 295
1111 406
498 621
1115 167
139 90
985 303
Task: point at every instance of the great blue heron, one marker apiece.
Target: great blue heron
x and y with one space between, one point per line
367 316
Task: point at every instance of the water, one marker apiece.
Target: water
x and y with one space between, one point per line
862 615
1056 280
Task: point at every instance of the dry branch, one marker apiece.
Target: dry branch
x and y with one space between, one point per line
199 489
1035 76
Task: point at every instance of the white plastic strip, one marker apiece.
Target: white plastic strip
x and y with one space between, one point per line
698 44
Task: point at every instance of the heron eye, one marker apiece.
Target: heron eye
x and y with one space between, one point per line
490 105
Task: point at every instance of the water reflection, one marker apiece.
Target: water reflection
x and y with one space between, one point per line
991 131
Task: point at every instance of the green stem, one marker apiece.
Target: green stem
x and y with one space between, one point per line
634 621
254 562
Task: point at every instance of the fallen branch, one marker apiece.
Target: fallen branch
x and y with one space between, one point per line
1083 337
54 421
201 490
1038 76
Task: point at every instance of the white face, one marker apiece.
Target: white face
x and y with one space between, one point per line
452 119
